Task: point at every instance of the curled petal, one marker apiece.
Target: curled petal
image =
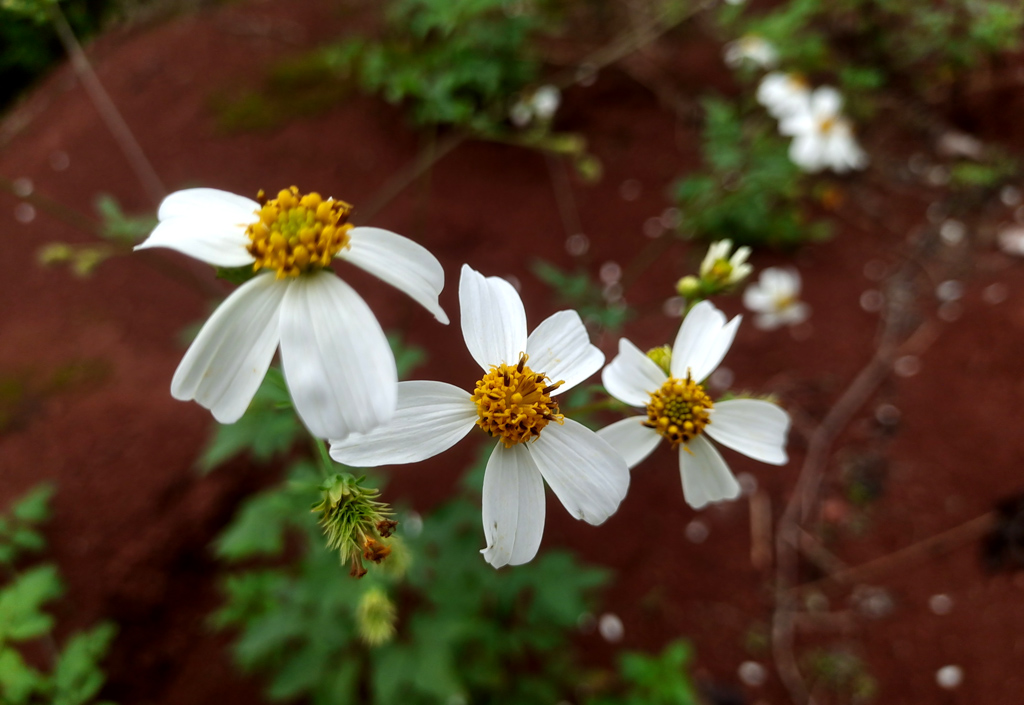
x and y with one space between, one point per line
206 224
401 263
227 361
337 362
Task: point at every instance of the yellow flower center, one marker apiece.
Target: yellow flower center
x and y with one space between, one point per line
297 233
514 402
679 410
827 125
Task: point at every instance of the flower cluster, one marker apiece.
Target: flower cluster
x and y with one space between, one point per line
822 135
342 376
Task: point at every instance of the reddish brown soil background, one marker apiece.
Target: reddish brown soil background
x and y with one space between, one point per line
93 359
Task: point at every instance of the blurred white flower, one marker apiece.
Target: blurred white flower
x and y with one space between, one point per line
751 48
784 94
722 269
775 298
540 105
679 410
822 136
516 405
337 361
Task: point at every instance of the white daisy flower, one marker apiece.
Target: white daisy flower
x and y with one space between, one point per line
750 48
822 137
775 298
680 411
719 267
337 362
515 404
784 94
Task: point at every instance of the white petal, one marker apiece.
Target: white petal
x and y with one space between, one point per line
702 341
631 439
805 151
826 101
706 477
795 313
206 224
338 364
227 361
493 319
209 203
219 243
401 263
757 298
431 418
560 348
754 427
513 507
631 377
584 472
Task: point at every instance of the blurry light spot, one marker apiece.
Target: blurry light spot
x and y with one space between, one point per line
752 673
696 531
907 366
24 213
610 627
949 677
630 189
577 244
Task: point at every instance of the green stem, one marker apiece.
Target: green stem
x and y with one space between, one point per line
326 462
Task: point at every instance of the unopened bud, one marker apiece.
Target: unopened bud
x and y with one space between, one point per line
354 522
688 287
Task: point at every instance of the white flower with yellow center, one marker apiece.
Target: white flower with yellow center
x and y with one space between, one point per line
775 298
337 362
680 411
822 136
513 401
751 48
722 269
784 94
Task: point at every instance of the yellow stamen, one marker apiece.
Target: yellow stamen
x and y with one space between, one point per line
514 402
827 125
297 233
679 410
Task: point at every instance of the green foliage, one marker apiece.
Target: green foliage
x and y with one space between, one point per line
863 40
749 191
452 62
119 227
28 44
268 429
75 678
654 680
579 291
503 640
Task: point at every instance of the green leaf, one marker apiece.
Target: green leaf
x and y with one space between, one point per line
236 275
18 680
77 677
258 527
34 507
269 427
20 603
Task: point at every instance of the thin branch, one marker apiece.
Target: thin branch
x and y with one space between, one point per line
122 134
